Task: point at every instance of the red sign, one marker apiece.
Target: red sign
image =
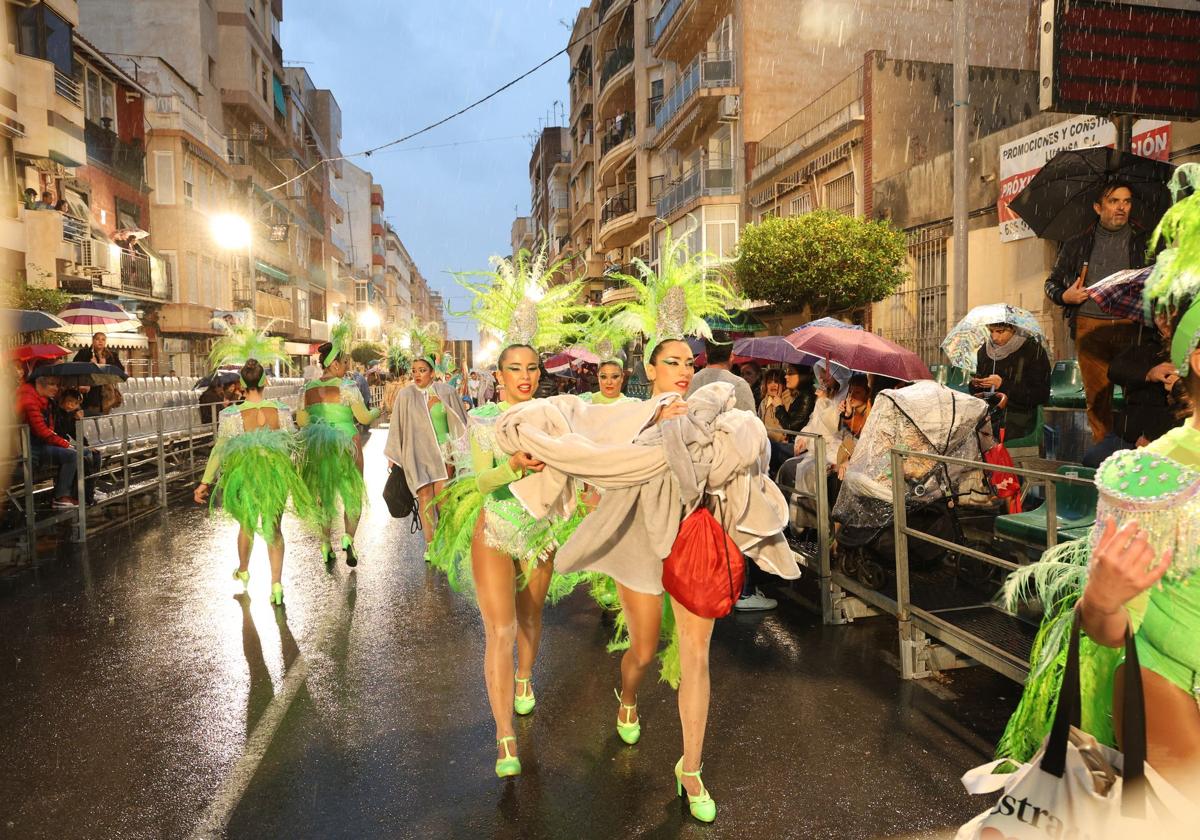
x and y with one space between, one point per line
1120 58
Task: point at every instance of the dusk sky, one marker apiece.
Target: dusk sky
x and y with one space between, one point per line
398 65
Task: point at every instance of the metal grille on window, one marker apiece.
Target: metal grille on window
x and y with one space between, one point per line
802 204
839 194
916 314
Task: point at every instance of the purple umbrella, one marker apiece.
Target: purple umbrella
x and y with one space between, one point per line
861 351
772 348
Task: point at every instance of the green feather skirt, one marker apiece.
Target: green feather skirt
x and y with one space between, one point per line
330 471
258 480
508 528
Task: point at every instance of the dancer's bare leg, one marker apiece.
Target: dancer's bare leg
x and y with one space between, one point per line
245 546
275 554
495 582
425 509
643 617
529 616
694 636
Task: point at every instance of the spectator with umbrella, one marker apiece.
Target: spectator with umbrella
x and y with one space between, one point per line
1101 205
35 408
1003 346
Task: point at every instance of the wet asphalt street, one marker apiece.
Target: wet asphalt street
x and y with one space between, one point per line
142 699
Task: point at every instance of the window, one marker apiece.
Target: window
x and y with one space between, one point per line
192 279
189 181
360 293
212 70
43 34
916 313
164 177
839 194
800 205
720 230
302 306
171 266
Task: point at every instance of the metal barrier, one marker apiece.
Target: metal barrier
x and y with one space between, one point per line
150 451
980 630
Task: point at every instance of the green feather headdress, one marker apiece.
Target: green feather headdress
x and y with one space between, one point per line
241 343
603 337
673 302
519 302
424 339
1174 284
340 336
396 353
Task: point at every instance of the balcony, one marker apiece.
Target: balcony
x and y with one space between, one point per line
172 113
833 111
710 179
619 205
124 159
708 72
663 19
619 129
68 88
271 307
185 319
604 8
615 60
102 266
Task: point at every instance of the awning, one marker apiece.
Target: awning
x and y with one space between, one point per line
271 271
116 340
280 101
735 322
296 348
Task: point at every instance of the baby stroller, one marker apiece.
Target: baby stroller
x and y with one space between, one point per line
924 417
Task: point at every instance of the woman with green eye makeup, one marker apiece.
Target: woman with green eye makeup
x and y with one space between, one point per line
610 377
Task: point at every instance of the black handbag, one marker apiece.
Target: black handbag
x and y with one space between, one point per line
399 498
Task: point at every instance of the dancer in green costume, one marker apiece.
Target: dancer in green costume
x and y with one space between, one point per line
483 535
254 457
1139 570
332 462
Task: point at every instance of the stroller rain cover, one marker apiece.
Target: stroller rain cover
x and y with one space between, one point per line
924 417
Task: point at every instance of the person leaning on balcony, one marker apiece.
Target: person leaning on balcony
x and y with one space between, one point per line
94 401
31 199
35 408
1112 244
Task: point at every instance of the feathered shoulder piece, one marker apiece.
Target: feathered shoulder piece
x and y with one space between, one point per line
1174 284
519 302
240 343
673 302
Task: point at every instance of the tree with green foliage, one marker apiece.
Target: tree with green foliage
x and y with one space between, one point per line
820 262
366 352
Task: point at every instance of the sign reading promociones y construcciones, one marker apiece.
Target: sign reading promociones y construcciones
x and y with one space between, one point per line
1024 158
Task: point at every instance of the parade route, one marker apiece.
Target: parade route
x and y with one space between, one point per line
146 700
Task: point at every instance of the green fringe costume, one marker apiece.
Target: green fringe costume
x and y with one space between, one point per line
508 527
257 471
329 463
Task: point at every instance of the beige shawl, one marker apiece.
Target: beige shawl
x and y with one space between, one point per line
411 441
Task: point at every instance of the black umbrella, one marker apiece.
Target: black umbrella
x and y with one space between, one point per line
222 377
29 320
81 373
1057 202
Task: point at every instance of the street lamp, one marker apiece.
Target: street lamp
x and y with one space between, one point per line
232 232
369 320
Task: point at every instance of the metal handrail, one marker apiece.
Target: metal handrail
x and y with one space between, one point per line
707 70
663 19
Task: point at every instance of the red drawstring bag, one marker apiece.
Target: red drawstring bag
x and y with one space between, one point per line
705 569
1008 486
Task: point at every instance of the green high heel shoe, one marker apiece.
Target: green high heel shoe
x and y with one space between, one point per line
523 703
348 547
510 765
327 555
702 806
630 733
277 594
244 577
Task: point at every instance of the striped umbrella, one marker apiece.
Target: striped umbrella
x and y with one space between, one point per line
95 313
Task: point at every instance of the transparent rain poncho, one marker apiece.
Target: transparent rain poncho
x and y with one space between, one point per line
924 417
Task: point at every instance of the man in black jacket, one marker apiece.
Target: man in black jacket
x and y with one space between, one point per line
1110 245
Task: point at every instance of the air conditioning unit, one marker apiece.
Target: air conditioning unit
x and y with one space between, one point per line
730 108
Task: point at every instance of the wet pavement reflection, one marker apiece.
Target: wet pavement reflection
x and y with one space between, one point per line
133 671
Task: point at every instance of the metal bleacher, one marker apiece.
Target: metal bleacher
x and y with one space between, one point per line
154 443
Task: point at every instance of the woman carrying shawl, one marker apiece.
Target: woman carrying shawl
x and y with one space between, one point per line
483 535
427 417
657 461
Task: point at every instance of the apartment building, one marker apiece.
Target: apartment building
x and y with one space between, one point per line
400 274
549 173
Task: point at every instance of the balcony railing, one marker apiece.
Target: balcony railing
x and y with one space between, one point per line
102 265
663 19
619 204
68 88
834 108
711 178
560 200
603 8
707 70
657 182
619 129
106 148
615 60
653 104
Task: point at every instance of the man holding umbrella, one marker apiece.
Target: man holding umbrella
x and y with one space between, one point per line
1111 244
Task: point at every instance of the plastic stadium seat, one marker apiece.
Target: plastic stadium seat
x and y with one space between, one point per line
1066 385
1031 440
1075 511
